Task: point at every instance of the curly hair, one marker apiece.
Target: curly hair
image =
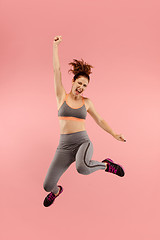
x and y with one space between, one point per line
80 68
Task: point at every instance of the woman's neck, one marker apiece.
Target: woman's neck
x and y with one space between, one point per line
74 97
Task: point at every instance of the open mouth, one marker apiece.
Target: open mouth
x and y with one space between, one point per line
78 91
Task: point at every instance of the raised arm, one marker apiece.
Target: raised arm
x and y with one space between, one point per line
59 89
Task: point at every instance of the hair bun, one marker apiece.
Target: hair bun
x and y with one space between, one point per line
79 66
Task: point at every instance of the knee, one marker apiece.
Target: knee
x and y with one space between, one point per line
79 170
82 170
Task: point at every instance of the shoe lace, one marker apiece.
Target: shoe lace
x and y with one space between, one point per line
112 168
51 196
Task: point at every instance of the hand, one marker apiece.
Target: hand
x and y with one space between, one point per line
119 137
57 40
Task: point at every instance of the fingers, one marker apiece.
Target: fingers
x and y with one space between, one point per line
58 38
122 137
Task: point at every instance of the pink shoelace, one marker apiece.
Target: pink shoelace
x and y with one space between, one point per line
51 196
112 168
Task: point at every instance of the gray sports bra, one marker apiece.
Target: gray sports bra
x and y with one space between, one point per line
75 114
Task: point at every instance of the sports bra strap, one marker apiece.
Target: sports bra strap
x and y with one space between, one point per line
83 100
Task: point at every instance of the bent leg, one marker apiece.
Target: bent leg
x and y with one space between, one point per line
62 160
84 164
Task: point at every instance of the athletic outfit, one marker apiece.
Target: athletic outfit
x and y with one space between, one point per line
73 147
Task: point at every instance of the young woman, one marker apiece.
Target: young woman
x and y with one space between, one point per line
75 144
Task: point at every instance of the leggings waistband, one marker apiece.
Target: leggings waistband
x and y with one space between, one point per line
74 137
75 133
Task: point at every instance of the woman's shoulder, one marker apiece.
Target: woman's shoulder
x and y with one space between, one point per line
86 100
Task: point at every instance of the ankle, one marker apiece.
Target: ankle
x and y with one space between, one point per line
57 192
106 166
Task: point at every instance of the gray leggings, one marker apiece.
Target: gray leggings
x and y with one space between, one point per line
73 147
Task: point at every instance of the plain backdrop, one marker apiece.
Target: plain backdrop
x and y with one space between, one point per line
120 39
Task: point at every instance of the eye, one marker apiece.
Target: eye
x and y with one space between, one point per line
83 85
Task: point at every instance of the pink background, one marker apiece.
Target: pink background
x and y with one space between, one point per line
121 40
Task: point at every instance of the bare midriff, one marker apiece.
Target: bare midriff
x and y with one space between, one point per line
71 124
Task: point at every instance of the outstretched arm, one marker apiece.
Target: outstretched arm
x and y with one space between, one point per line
56 64
101 122
59 89
98 119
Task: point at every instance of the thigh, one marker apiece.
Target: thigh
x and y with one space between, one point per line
85 150
84 162
62 160
84 153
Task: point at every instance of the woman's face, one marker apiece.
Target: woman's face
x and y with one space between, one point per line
80 84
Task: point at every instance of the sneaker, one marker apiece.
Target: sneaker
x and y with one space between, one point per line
114 168
51 197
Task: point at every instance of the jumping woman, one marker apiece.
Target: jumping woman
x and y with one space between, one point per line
75 144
